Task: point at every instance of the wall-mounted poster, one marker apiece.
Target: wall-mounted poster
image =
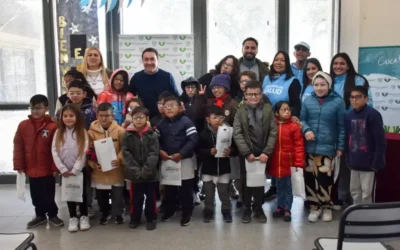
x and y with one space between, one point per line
176 54
381 66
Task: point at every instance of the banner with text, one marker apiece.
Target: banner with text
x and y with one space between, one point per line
381 66
176 54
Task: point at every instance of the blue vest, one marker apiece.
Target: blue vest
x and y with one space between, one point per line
307 92
278 89
339 82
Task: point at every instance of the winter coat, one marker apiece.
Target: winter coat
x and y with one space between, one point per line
326 121
96 132
140 151
289 149
32 147
263 68
229 106
87 110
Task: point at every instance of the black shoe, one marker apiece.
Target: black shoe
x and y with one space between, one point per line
246 217
202 196
270 194
36 222
56 221
287 216
185 221
227 217
233 192
307 204
104 218
279 212
161 207
208 216
119 219
151 225
260 215
167 217
134 223
239 204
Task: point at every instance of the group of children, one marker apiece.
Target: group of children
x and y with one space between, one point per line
185 129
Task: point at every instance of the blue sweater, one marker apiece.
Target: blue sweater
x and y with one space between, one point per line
326 121
365 140
149 87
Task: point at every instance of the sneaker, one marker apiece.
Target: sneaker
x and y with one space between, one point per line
208 216
91 212
327 215
151 225
278 213
73 225
84 224
246 217
134 223
185 221
314 215
196 199
260 215
119 219
270 194
36 221
56 221
233 192
338 205
239 204
104 219
167 217
287 216
227 217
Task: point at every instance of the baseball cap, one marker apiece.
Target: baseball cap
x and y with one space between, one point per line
302 44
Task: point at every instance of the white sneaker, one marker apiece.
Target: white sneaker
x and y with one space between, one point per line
314 215
327 215
73 225
84 223
91 212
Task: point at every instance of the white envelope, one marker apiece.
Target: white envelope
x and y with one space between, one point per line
105 153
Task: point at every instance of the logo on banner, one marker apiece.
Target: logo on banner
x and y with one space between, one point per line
385 94
162 55
128 55
161 43
148 37
182 49
128 67
397 101
127 44
183 61
182 37
182 73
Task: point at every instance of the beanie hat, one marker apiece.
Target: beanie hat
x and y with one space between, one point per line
324 75
222 80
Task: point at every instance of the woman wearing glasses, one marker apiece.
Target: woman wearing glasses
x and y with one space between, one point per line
228 65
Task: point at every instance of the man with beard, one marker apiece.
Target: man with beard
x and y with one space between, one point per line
302 52
249 62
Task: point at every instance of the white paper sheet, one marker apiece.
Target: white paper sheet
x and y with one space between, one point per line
21 179
105 153
298 185
224 140
171 173
255 174
188 166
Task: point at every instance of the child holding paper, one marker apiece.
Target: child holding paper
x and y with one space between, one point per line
69 154
216 171
289 151
254 132
111 181
178 139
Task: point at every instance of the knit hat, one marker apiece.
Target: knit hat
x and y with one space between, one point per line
222 80
324 75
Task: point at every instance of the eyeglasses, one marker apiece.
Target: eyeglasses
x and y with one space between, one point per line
35 108
220 117
228 65
252 94
190 87
138 118
244 81
356 97
105 116
171 106
286 110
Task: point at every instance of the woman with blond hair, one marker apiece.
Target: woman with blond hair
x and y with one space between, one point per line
94 70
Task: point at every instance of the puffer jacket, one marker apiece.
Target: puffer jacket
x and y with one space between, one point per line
32 147
140 151
116 98
96 132
289 149
229 108
326 121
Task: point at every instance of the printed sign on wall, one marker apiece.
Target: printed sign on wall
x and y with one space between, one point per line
381 66
176 54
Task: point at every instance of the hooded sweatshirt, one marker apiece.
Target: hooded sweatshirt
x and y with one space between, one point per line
117 98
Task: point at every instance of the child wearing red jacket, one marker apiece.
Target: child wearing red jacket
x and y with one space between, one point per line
289 151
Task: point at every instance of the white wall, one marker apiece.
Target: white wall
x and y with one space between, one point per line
368 23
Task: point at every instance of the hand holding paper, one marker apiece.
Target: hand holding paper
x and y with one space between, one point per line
105 153
224 140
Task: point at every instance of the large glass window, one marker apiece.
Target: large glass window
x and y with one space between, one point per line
229 22
157 17
314 22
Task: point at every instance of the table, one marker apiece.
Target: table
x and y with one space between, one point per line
18 241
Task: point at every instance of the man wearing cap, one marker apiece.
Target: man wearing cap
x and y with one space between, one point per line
249 62
302 52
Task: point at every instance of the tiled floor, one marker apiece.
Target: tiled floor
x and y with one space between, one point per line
275 234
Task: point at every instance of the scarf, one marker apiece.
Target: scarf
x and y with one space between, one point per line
219 101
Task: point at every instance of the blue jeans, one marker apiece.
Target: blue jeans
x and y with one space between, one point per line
284 190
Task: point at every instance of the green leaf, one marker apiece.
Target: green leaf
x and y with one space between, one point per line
182 37
148 37
162 55
182 49
128 55
386 128
127 44
182 73
161 43
183 61
128 67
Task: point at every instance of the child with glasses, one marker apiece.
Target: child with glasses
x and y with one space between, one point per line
129 107
244 78
365 145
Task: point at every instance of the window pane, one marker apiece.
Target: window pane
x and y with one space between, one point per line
8 127
158 17
229 22
312 21
22 58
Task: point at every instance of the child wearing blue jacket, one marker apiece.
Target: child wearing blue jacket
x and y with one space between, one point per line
322 118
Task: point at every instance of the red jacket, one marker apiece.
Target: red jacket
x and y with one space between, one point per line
32 147
289 150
